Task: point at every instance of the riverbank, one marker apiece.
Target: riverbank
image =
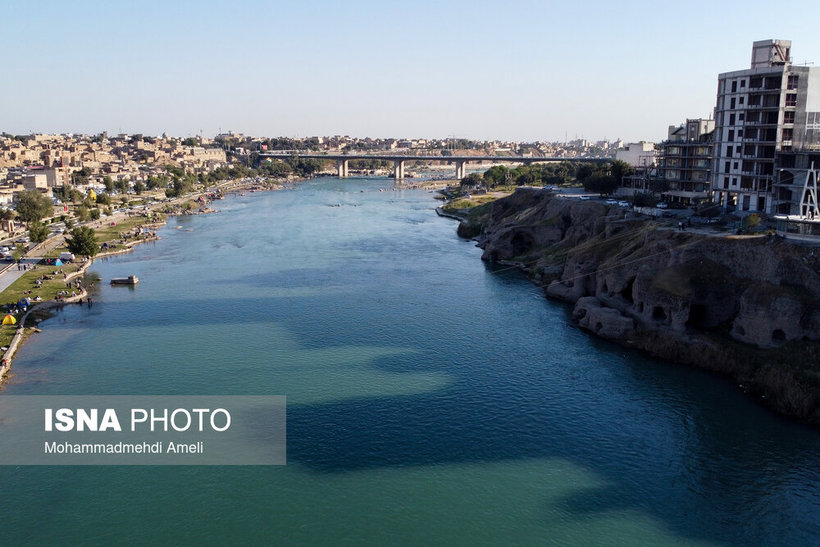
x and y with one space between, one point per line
120 244
747 308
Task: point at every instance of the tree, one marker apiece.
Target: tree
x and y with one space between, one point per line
32 206
103 199
525 179
139 187
82 241
82 213
81 177
122 186
63 193
620 169
601 182
495 175
109 184
37 231
473 180
95 214
6 214
181 187
157 182
584 171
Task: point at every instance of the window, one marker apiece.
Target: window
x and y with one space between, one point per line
734 86
792 82
729 150
788 117
741 100
734 165
731 135
741 117
725 182
731 119
727 166
732 103
742 83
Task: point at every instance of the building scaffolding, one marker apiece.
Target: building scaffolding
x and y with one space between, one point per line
809 208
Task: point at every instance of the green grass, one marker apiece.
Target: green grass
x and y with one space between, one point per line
48 291
108 233
467 203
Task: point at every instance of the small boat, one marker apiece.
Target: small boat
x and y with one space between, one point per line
130 280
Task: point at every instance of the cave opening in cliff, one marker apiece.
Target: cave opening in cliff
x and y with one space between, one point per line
626 293
697 317
521 244
658 314
778 335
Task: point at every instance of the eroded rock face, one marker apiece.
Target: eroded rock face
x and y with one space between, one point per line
681 296
608 323
531 219
661 280
766 320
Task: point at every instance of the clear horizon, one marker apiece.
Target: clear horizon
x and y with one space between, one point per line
544 71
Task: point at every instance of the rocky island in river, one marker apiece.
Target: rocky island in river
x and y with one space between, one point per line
745 307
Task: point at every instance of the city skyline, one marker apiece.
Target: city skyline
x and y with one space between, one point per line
540 72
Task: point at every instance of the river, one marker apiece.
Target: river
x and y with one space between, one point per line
432 399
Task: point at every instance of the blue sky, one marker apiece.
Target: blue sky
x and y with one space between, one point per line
519 70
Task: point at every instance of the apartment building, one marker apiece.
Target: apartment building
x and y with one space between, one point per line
638 154
685 161
771 107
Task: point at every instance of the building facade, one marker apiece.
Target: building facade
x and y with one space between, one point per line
638 154
685 162
771 107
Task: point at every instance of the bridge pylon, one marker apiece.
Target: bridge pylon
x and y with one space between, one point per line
342 167
398 170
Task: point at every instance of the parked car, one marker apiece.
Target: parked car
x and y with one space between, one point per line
612 202
623 203
662 205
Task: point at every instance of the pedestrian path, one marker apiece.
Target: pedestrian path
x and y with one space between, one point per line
11 273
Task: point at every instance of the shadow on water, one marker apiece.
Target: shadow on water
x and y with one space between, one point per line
644 469
669 442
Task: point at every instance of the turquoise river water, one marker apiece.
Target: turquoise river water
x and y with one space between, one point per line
431 399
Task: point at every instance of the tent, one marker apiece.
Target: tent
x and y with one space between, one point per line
24 303
92 195
9 320
58 262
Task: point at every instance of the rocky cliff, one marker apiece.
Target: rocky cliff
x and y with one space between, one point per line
747 307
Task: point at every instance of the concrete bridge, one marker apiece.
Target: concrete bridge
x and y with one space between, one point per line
343 160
